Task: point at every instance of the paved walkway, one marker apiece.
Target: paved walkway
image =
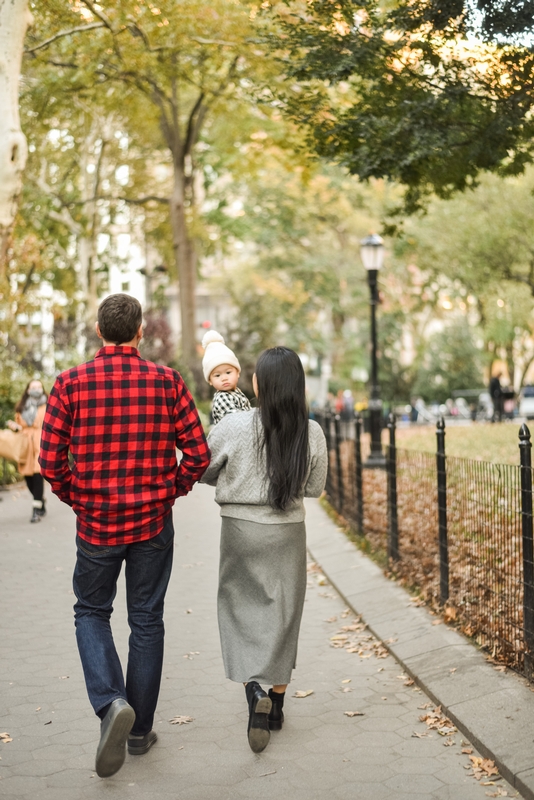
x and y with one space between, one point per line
383 752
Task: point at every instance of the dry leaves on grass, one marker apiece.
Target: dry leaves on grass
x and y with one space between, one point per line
301 694
180 720
354 713
5 738
437 721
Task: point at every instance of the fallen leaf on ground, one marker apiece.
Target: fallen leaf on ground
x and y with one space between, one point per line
38 709
63 677
437 721
300 694
425 706
354 713
263 774
321 580
347 689
501 668
449 743
409 682
483 767
416 735
347 680
48 723
437 622
450 614
5 738
331 619
188 610
467 751
345 613
180 720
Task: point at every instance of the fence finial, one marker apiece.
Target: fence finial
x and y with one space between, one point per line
440 424
524 435
391 419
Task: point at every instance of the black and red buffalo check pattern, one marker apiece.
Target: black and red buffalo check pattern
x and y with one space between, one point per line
121 418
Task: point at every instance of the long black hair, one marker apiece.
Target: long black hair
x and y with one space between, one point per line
284 416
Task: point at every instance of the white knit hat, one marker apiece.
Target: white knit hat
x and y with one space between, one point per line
216 353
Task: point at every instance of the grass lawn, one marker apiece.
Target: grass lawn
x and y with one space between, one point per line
481 441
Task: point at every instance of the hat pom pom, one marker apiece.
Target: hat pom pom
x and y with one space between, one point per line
210 337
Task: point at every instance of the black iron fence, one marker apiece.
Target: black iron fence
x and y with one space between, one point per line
457 529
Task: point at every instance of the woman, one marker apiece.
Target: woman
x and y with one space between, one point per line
263 463
29 415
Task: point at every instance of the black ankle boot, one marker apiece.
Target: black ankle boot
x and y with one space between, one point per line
259 706
42 511
36 517
276 717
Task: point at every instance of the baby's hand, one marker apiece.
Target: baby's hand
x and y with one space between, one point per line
14 425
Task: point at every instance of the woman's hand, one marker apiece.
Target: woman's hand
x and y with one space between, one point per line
14 425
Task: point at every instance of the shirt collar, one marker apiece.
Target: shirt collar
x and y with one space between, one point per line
118 350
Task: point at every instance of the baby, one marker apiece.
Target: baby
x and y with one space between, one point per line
221 370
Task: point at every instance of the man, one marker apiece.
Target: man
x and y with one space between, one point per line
121 418
495 390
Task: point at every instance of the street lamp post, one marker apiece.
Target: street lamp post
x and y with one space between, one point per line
372 253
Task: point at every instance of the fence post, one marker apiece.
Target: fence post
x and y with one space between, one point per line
358 476
340 497
442 512
391 467
525 449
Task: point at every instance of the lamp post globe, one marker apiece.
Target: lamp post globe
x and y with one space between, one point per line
372 255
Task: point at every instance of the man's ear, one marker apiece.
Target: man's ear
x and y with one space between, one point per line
97 329
140 332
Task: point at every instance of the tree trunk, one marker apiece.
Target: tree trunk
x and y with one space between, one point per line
14 19
186 267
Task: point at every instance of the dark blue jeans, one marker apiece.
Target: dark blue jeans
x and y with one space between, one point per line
148 569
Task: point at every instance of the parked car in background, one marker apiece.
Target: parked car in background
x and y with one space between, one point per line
526 402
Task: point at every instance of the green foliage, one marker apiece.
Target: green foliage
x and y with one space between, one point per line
451 361
403 94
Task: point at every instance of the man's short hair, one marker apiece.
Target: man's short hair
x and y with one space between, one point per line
119 318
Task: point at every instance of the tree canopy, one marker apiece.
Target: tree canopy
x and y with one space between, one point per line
407 92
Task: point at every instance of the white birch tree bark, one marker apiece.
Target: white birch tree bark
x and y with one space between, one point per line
15 17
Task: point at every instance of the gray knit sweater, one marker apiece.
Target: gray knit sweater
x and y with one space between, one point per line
238 471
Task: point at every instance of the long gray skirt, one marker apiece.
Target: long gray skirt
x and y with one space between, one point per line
262 584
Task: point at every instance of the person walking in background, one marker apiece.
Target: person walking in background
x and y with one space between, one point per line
263 464
121 418
29 415
495 391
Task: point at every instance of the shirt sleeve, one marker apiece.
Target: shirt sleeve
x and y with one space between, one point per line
319 463
217 441
190 439
55 442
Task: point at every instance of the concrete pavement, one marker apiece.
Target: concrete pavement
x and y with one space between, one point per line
383 752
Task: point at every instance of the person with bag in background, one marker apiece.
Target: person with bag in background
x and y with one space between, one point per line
29 416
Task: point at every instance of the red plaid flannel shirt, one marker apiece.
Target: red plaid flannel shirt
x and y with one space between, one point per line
121 418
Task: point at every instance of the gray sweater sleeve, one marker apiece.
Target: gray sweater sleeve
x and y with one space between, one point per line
218 441
319 462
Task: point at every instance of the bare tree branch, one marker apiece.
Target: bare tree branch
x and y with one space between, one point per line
200 40
141 200
100 14
61 34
